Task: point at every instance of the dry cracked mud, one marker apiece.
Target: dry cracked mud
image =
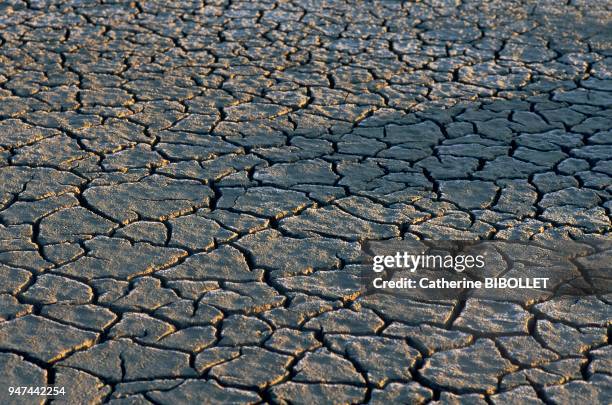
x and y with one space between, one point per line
185 187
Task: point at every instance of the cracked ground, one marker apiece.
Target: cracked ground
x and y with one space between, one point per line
185 188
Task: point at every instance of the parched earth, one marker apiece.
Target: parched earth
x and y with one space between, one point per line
185 187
